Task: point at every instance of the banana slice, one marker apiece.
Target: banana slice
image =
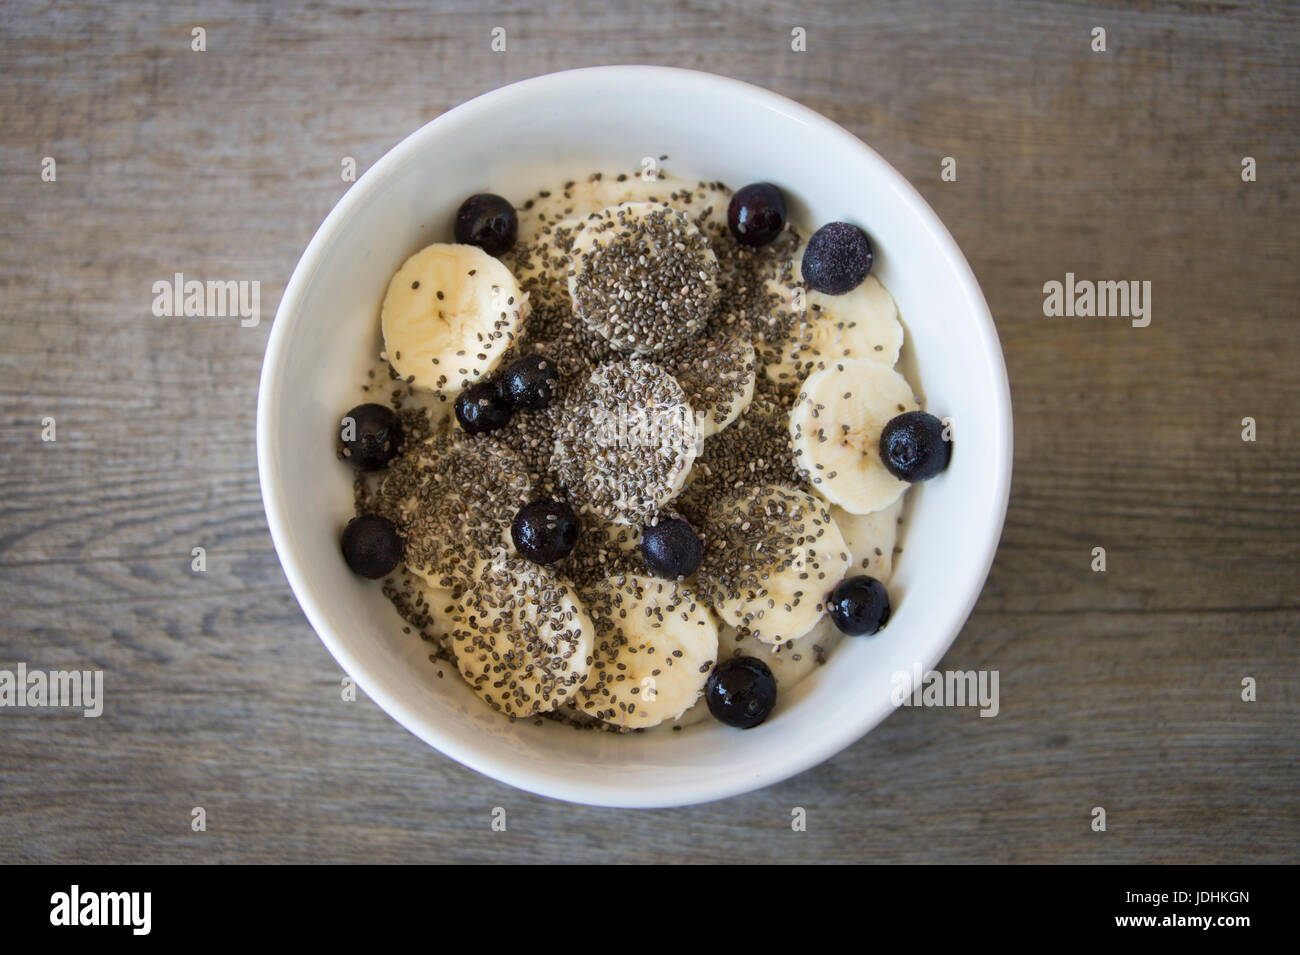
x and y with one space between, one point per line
718 374
871 538
835 425
440 597
655 646
449 314
643 277
541 258
522 639
790 661
772 555
862 323
626 441
807 330
459 508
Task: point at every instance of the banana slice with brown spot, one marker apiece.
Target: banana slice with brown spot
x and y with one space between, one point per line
449 314
835 427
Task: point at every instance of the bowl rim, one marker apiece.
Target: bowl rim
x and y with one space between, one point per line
603 792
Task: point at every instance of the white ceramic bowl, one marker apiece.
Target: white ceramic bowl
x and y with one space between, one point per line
515 141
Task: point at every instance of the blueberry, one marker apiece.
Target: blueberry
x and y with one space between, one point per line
671 548
913 448
481 408
837 259
529 382
859 605
756 214
741 691
369 437
545 530
371 546
488 221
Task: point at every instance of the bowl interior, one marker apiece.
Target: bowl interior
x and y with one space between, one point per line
529 136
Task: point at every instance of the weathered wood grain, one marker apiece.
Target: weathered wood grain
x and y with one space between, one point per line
1120 690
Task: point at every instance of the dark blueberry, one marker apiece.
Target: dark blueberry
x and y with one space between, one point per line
488 221
912 446
369 437
671 548
859 605
837 259
544 531
481 408
529 382
741 691
371 546
756 214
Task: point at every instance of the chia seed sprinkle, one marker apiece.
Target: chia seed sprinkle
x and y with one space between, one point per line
625 440
618 672
646 279
518 638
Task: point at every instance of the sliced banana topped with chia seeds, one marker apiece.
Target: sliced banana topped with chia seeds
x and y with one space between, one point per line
717 373
626 441
548 222
773 552
449 314
654 648
789 661
437 597
815 329
643 277
452 499
521 637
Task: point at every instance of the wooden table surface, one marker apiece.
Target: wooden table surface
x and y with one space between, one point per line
1120 689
